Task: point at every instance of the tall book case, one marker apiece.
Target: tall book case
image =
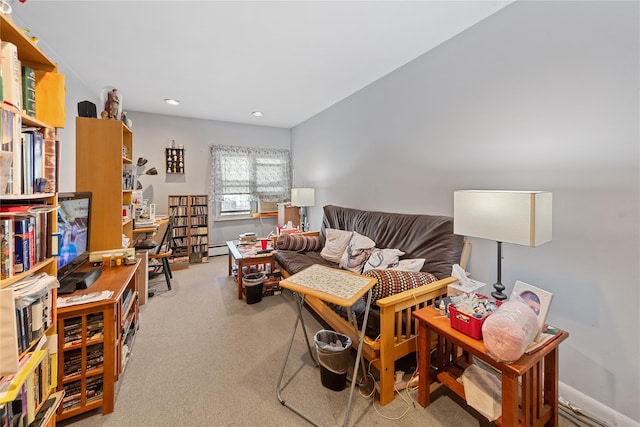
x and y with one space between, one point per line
28 329
190 237
103 160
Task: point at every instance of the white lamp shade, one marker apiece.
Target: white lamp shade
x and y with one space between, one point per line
519 217
303 196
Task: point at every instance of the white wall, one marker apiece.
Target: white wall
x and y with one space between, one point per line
152 133
539 96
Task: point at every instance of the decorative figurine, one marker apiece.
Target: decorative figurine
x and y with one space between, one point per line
112 103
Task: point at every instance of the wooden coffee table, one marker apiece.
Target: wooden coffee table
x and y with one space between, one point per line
246 255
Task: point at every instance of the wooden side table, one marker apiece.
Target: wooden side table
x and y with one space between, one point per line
247 256
538 371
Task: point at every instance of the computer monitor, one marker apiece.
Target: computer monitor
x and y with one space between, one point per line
73 227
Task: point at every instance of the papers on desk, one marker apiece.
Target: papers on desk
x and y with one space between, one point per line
84 299
144 224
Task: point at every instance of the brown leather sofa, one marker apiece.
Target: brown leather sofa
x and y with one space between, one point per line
419 236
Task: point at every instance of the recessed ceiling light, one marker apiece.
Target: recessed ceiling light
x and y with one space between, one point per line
257 114
172 101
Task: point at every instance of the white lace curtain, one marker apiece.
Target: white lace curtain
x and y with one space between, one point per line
263 173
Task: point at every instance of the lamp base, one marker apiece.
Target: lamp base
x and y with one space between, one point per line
497 294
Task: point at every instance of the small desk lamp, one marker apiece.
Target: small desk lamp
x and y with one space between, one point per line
520 217
303 197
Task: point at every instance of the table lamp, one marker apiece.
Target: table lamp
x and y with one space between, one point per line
303 197
519 217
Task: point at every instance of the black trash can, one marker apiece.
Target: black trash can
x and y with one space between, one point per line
334 357
253 287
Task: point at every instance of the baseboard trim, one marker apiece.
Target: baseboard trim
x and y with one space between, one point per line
594 408
218 249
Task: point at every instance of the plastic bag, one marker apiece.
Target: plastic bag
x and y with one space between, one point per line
483 391
509 330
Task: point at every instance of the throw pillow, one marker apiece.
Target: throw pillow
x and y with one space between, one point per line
391 282
335 244
298 242
382 259
357 253
410 265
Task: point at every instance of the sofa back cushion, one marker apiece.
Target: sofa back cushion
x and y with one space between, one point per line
298 242
418 236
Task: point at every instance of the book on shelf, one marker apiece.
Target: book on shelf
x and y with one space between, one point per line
21 394
11 75
8 331
21 234
29 90
50 160
33 309
33 179
30 227
11 143
6 248
33 154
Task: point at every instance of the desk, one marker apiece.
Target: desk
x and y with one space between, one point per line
335 286
151 229
538 371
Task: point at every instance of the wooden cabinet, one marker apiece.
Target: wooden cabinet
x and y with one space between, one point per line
31 382
105 167
288 213
95 342
190 235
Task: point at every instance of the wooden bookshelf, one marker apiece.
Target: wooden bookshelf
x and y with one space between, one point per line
190 236
95 342
103 151
31 381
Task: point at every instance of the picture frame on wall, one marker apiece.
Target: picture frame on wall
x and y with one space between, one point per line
538 299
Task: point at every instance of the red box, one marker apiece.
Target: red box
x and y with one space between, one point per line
465 323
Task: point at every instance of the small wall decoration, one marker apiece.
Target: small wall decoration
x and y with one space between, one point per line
174 158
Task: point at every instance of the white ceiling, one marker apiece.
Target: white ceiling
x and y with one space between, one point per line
225 59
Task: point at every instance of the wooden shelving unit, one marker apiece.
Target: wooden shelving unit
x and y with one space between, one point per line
103 153
32 377
190 229
95 343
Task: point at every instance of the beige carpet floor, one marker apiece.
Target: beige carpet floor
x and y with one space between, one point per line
204 358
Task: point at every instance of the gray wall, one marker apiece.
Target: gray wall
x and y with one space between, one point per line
151 135
539 96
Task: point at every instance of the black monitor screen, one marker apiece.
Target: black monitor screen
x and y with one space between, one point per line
73 228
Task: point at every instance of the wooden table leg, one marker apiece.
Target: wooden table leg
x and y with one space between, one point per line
424 369
240 287
551 384
509 399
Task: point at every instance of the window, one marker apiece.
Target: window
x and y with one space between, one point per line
241 177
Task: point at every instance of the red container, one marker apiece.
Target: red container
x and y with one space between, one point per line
466 324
